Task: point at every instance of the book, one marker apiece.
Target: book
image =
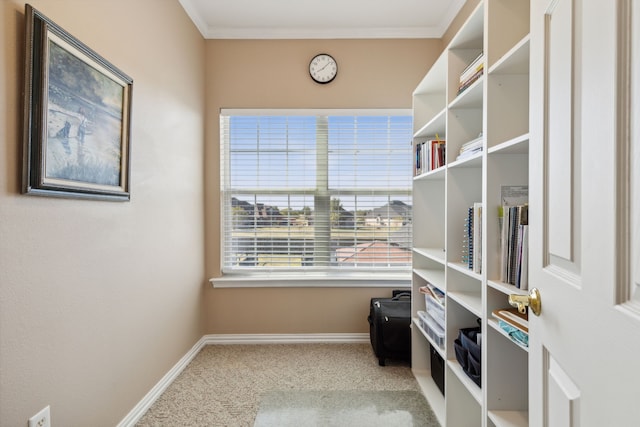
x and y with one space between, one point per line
503 220
477 237
473 67
467 240
469 153
512 219
471 80
512 241
471 255
429 155
470 145
513 317
438 153
523 282
417 164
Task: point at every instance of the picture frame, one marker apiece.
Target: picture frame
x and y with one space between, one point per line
77 117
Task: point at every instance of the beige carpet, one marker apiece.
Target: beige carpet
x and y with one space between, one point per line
345 409
224 385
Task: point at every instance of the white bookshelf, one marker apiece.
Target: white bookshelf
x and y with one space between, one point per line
496 107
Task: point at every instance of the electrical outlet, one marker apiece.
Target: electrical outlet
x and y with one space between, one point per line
41 419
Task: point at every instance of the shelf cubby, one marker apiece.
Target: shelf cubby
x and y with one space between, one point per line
502 169
507 24
430 390
428 202
464 188
506 376
468 396
434 276
507 101
464 125
465 289
430 97
435 128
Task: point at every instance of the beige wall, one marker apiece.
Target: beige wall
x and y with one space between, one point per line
98 300
460 19
274 74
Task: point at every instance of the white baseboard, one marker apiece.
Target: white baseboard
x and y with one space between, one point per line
147 401
285 338
143 406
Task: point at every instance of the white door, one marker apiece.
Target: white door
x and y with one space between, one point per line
584 356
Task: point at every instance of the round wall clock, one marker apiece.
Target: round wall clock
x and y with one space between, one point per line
323 68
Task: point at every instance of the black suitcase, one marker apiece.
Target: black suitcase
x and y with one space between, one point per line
390 327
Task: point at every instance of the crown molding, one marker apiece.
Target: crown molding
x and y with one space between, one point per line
214 32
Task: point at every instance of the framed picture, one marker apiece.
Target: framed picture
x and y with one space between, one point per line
76 119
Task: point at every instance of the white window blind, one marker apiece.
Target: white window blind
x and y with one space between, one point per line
316 190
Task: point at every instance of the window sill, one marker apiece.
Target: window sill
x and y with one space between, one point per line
359 280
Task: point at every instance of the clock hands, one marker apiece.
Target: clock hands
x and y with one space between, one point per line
325 65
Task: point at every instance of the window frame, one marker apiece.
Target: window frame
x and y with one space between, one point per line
393 277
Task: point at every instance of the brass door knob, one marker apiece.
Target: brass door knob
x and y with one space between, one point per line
523 301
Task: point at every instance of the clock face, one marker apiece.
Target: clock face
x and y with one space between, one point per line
323 68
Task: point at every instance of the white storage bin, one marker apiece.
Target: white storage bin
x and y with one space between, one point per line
435 309
431 327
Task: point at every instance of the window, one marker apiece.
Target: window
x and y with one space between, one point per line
316 190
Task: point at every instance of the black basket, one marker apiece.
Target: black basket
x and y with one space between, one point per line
468 353
437 368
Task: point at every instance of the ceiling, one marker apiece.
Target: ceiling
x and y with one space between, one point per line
325 19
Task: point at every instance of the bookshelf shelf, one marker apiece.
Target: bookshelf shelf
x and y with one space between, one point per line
517 145
435 277
469 300
435 80
431 393
434 175
509 418
516 61
506 288
473 161
435 254
435 126
472 387
470 98
424 333
490 118
462 268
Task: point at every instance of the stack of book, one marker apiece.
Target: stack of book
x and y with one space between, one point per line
470 148
472 238
513 220
429 155
472 73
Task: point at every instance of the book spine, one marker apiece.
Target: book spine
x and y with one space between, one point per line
477 237
465 85
469 72
474 65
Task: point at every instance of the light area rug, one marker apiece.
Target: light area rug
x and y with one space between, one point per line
225 385
345 409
